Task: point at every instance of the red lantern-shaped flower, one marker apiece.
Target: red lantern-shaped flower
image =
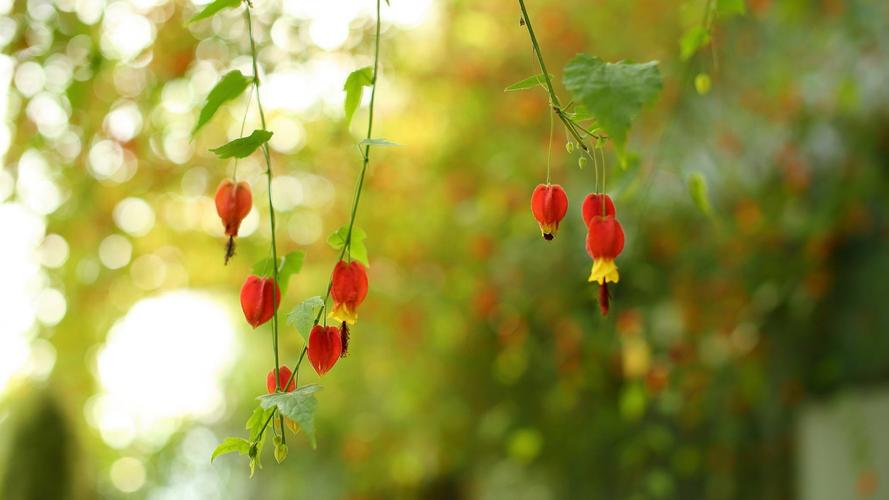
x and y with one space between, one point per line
259 299
348 290
283 376
604 242
549 203
233 202
325 347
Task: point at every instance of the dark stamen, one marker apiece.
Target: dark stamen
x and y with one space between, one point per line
604 298
229 249
547 236
344 339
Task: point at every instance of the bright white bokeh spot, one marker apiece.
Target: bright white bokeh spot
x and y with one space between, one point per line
35 185
7 184
134 216
329 32
124 122
51 306
163 362
29 78
289 134
127 474
125 34
115 251
105 159
53 252
49 112
22 280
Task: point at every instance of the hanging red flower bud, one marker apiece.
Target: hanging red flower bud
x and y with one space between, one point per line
348 290
283 376
259 299
325 347
597 204
549 203
604 242
233 203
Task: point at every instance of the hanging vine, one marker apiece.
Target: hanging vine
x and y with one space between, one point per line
287 405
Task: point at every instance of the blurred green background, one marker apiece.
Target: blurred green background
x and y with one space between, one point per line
746 354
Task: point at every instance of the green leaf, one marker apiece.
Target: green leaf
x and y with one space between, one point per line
728 8
302 317
355 83
244 146
288 265
298 405
254 426
357 248
529 83
378 142
613 92
280 452
697 188
692 40
213 8
229 87
231 445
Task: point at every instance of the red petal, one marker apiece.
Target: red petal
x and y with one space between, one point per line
233 203
349 284
549 204
592 207
605 238
325 347
259 299
283 375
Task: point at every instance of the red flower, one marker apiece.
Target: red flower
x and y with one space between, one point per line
233 203
549 203
259 299
604 242
283 376
325 347
348 290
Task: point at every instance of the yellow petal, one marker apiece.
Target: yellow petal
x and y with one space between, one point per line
604 270
343 313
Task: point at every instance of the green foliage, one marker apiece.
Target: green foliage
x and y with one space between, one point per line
355 83
288 265
728 8
357 248
302 317
298 405
613 92
255 425
231 445
378 142
528 83
692 41
214 7
244 146
229 87
280 450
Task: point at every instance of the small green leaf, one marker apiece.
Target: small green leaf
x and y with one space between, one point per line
213 8
692 41
298 405
229 87
357 248
355 83
728 8
257 420
378 142
613 92
302 317
697 188
231 445
288 265
244 146
529 83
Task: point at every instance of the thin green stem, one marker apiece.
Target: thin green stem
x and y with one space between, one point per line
268 171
